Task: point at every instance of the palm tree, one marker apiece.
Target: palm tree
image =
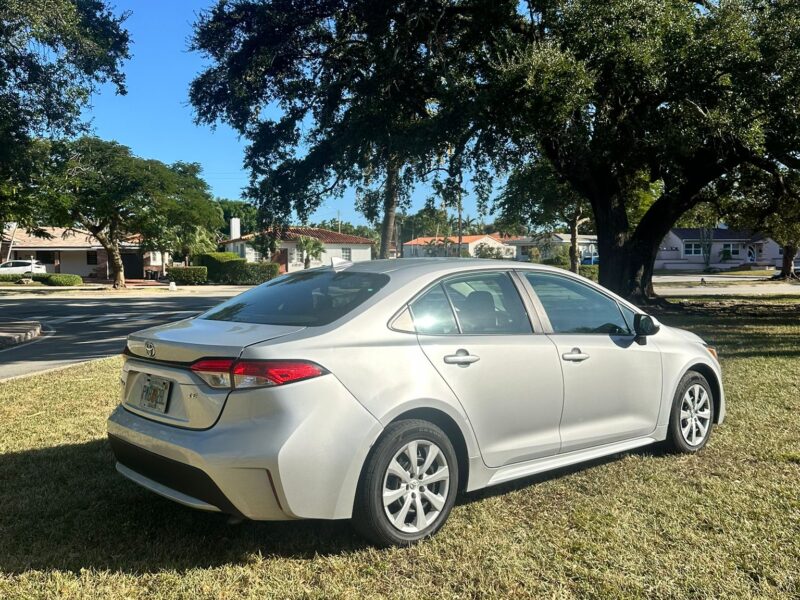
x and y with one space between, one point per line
311 248
469 225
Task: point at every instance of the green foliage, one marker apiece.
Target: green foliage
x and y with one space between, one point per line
54 279
590 272
62 280
103 188
54 54
487 251
245 273
311 248
188 275
559 257
215 263
246 212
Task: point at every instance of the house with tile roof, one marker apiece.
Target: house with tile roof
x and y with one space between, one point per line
686 249
78 252
448 245
348 247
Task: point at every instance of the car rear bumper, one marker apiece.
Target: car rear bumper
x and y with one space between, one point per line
274 454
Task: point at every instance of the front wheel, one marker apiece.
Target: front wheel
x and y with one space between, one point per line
692 416
408 485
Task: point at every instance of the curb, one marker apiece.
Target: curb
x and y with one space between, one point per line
13 333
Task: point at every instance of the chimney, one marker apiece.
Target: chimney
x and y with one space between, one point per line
236 228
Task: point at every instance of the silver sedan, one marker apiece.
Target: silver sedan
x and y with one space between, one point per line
377 391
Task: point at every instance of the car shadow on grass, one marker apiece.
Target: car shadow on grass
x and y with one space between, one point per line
66 508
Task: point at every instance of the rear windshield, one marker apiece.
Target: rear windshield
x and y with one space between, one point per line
314 297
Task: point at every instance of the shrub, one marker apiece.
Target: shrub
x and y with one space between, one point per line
560 258
215 263
62 280
590 272
245 273
188 275
54 279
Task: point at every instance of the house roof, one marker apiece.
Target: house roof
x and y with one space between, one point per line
326 236
465 239
547 237
719 234
60 239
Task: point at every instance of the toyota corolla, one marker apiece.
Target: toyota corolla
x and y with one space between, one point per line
378 391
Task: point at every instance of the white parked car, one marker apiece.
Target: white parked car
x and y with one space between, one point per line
378 390
22 267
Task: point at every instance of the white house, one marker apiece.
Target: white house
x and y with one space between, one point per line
339 245
441 246
683 248
78 252
549 244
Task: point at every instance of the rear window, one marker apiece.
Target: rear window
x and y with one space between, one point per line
309 298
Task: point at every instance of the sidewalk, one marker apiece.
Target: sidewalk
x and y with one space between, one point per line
17 332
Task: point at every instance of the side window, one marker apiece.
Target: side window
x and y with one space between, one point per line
628 314
487 303
573 307
432 313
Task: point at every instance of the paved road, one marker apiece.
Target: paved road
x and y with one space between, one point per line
76 329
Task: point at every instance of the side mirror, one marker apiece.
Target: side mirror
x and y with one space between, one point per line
644 325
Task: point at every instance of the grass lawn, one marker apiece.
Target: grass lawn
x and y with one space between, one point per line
722 524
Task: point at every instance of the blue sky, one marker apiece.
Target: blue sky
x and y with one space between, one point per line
155 120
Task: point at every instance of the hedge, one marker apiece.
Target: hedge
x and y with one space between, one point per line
188 275
590 272
54 279
215 263
63 280
245 273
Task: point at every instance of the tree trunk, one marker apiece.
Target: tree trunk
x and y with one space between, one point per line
390 197
114 256
307 261
460 228
787 265
574 263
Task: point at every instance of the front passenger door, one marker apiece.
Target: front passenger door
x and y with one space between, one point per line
612 384
476 333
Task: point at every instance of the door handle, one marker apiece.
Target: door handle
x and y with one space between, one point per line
461 358
575 355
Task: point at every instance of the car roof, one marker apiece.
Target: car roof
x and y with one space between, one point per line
416 267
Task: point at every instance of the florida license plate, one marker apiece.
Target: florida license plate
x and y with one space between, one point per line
155 394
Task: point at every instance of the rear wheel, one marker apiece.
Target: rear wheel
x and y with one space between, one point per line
408 485
692 417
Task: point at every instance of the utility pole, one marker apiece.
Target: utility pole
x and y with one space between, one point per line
339 220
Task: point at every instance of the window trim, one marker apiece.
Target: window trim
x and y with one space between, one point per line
546 319
534 319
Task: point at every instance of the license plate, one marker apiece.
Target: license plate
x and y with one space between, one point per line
155 394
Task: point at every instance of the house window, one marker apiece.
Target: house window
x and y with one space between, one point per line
47 257
91 257
731 249
692 249
347 254
256 256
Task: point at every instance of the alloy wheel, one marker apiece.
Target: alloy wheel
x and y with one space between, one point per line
415 486
695 417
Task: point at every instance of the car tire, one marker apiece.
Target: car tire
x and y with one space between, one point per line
419 497
692 416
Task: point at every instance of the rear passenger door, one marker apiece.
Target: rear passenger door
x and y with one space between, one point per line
612 383
476 331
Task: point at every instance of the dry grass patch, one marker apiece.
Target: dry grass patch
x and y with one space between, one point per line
722 524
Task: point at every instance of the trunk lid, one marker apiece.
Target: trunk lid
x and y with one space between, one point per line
160 356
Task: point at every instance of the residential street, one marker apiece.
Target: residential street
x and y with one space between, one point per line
76 329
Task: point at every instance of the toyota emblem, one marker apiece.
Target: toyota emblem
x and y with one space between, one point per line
150 348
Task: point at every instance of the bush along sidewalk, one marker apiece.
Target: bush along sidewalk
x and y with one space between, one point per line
229 268
188 275
53 279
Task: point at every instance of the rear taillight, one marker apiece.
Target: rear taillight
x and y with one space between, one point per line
216 372
228 373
